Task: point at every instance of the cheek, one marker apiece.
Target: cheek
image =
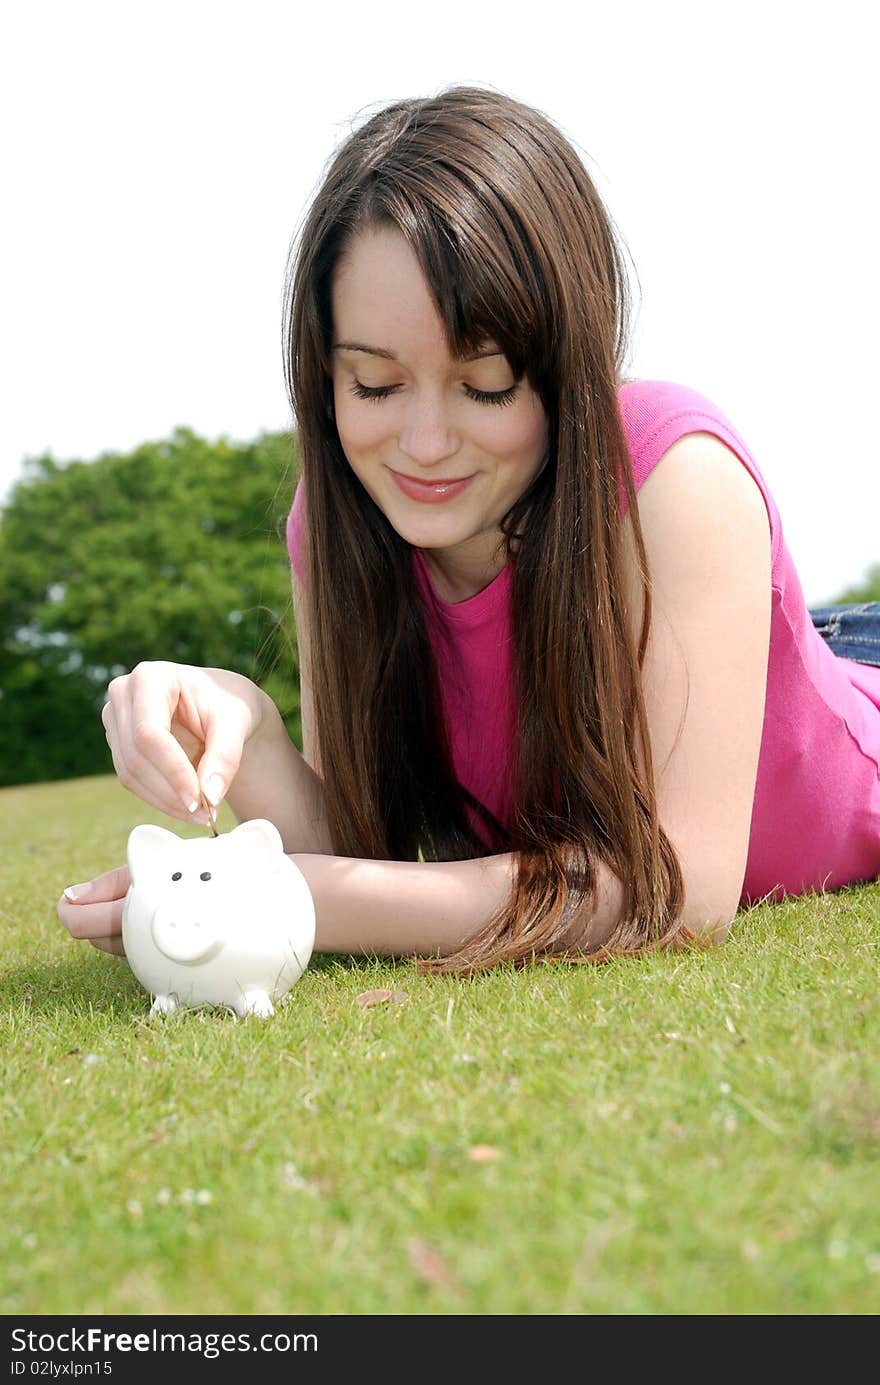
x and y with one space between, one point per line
521 439
360 426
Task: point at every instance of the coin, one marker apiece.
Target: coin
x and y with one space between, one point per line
211 813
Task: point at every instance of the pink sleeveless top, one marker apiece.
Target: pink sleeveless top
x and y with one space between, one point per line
816 811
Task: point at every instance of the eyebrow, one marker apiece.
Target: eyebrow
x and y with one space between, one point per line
390 356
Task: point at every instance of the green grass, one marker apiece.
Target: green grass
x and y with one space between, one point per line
692 1133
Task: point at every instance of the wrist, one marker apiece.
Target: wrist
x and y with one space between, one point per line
273 781
268 737
268 725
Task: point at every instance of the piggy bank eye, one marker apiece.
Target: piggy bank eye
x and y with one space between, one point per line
205 875
177 875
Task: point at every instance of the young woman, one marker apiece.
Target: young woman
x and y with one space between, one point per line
561 694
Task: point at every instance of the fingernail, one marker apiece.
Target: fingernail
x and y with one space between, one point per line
189 803
73 892
214 789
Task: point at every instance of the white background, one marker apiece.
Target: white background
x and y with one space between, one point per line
157 158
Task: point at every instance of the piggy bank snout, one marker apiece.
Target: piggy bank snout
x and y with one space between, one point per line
184 934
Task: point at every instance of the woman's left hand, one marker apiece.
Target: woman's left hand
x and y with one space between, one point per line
93 911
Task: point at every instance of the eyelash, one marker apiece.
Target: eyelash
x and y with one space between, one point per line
480 396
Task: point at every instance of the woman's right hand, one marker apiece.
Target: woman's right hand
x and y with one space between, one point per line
176 731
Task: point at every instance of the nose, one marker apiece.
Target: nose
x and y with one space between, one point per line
181 937
426 436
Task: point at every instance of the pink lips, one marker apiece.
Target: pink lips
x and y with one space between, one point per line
431 493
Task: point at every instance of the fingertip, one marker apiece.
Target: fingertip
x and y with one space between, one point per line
214 789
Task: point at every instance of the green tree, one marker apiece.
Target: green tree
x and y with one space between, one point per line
866 590
173 551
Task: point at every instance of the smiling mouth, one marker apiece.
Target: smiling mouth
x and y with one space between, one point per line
439 481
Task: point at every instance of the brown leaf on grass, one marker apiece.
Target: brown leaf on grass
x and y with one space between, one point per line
431 1266
484 1154
377 997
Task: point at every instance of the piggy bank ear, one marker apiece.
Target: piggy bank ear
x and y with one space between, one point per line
148 848
260 841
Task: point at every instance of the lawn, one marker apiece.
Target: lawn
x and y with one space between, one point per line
691 1133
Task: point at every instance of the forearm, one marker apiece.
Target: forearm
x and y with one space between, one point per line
274 782
400 908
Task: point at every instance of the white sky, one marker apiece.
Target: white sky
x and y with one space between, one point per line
157 158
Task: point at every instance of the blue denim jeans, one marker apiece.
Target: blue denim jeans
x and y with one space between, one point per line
851 632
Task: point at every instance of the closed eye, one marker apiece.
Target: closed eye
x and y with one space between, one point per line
481 396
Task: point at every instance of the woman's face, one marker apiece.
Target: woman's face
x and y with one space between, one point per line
436 419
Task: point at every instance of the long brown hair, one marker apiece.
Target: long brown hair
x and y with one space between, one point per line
516 245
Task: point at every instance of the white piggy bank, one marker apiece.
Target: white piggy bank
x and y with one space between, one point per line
225 920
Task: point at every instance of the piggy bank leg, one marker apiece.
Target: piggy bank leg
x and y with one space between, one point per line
164 1005
254 1003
